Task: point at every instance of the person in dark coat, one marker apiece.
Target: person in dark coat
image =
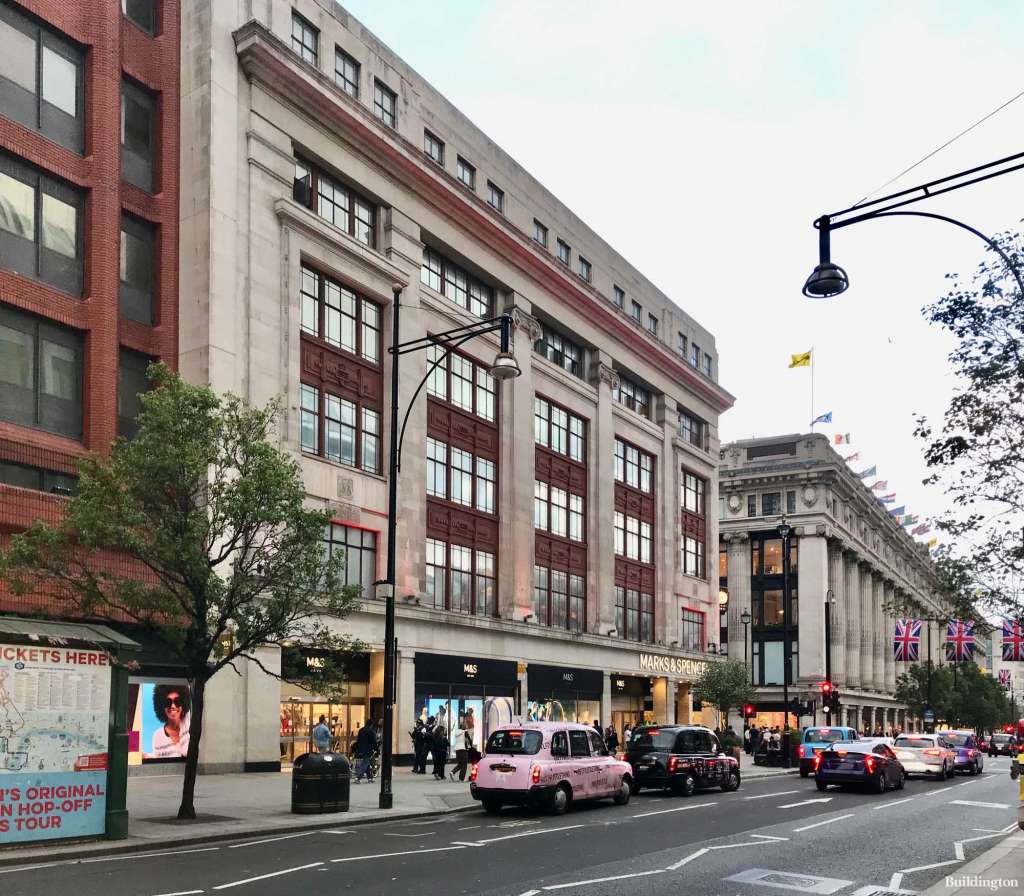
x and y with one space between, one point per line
419 748
366 746
439 749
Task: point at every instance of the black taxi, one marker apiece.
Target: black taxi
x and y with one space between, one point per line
680 758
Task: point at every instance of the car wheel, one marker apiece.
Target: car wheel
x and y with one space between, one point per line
950 772
491 807
733 784
821 785
973 769
902 781
625 791
561 797
805 773
880 785
686 787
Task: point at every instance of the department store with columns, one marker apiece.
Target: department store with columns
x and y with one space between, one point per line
845 549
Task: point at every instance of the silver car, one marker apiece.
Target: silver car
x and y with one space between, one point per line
925 754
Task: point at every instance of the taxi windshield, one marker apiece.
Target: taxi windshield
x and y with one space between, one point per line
823 735
515 742
654 738
955 740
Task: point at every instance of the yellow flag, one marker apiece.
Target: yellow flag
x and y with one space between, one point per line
932 542
803 360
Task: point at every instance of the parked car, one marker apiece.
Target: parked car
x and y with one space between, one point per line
925 754
1002 745
969 757
680 758
866 763
548 765
817 739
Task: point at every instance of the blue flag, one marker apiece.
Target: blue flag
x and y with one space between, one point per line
823 418
870 471
898 511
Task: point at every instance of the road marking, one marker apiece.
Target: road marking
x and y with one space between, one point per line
929 867
687 860
764 796
530 893
785 880
958 850
601 880
424 834
895 881
272 839
30 867
388 855
475 827
940 790
824 799
336 832
890 805
183 893
677 809
249 880
820 823
738 845
147 855
979 805
768 837
568 827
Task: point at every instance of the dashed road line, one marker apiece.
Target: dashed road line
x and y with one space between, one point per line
764 796
693 855
250 880
979 805
183 893
677 809
602 880
145 855
568 827
929 867
941 790
272 840
897 803
407 852
424 834
822 823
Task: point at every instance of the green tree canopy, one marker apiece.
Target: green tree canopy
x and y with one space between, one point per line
725 685
223 555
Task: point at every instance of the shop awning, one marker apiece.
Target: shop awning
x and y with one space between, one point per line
58 633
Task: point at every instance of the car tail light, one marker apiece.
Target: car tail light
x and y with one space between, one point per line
800 751
817 751
817 761
535 774
473 770
869 764
932 752
673 764
970 753
621 755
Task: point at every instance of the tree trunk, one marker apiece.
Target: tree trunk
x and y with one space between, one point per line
187 809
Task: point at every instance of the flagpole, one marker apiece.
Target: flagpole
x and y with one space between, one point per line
812 388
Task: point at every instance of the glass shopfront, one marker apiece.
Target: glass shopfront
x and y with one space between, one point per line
345 713
482 693
632 701
564 694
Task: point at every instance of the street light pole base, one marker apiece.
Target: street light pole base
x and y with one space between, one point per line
387 801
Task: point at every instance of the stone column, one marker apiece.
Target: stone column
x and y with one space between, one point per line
890 628
667 532
663 692
405 708
601 546
606 699
515 567
738 554
812 557
837 612
853 619
878 651
867 630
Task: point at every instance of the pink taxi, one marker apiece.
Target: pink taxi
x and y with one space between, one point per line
548 765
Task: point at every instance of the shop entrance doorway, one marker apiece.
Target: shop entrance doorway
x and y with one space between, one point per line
299 717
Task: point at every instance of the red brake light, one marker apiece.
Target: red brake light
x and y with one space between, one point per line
514 733
800 751
621 755
472 771
535 774
817 761
869 764
653 732
971 752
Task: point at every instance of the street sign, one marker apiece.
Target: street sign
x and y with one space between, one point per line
929 715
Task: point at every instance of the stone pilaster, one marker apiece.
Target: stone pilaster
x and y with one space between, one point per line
878 645
890 627
601 546
867 631
668 532
738 560
837 611
851 572
813 585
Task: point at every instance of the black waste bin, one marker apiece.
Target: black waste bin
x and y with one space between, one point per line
320 783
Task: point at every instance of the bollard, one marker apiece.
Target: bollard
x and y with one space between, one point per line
1016 768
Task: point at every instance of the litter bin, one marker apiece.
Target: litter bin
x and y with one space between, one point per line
320 783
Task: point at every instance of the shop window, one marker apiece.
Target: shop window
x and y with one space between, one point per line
40 226
137 270
131 383
138 136
42 77
40 374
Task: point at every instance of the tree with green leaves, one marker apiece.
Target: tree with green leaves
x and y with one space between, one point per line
218 554
912 689
725 685
977 451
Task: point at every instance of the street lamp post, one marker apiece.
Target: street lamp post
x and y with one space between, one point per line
503 368
830 602
785 530
746 618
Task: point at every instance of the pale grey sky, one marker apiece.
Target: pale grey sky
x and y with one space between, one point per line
701 140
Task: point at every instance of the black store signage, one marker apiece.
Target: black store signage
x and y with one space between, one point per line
554 680
443 669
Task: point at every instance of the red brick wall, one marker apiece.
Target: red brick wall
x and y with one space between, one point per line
114 47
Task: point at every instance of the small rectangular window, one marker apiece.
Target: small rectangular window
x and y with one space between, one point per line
433 147
384 103
694 354
305 39
335 202
131 383
540 233
560 350
707 364
346 72
495 197
652 324
619 297
637 311
141 13
564 252
681 344
790 502
751 505
137 269
585 269
466 173
138 136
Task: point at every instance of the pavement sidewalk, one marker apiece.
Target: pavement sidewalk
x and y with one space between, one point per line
243 805
998 870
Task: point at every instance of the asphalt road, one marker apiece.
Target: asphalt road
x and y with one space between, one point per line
713 843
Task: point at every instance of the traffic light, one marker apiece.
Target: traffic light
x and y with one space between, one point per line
834 700
826 690
748 710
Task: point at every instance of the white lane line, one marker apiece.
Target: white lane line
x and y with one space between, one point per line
895 881
820 823
530 893
336 832
940 790
745 843
687 860
424 834
768 837
601 880
183 893
890 805
148 855
677 809
979 805
568 827
29 867
272 839
929 867
473 827
408 852
824 799
764 796
250 880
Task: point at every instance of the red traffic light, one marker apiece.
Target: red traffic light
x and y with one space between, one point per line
826 688
748 710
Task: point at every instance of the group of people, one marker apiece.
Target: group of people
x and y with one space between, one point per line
365 747
432 738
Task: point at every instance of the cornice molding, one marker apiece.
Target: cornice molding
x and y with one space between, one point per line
528 324
608 375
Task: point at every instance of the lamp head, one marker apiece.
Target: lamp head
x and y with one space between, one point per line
826 280
505 366
745 617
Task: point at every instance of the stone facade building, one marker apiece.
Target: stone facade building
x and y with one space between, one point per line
845 548
553 531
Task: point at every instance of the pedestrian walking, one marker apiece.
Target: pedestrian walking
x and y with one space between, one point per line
459 748
439 750
419 748
611 739
597 726
366 746
322 736
627 734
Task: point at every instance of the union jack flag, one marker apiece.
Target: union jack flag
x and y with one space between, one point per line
1004 679
906 645
960 641
1013 641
